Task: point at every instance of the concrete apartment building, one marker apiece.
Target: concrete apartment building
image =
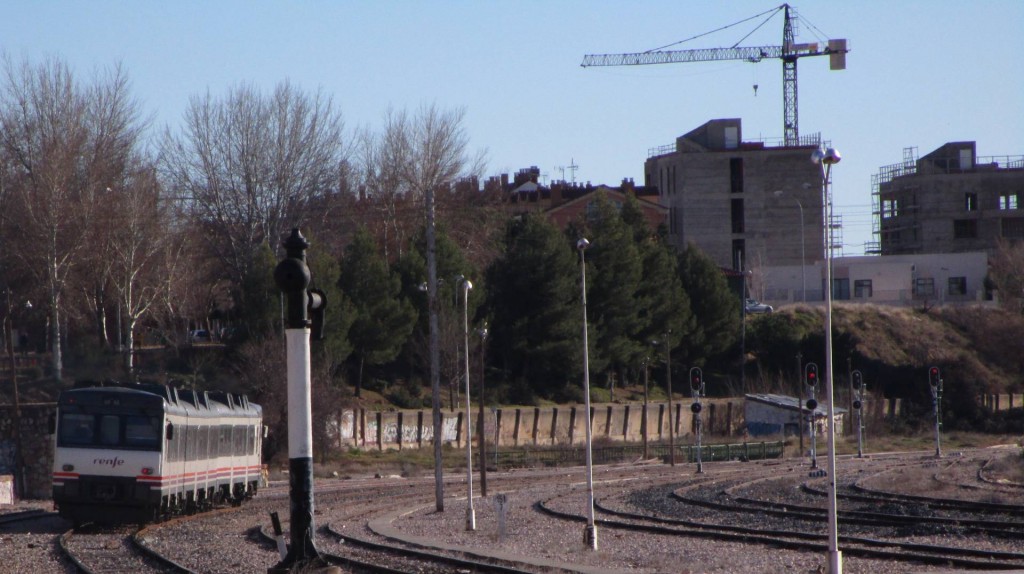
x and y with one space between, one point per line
748 204
949 201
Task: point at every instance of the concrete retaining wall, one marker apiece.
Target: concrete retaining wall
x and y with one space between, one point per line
534 426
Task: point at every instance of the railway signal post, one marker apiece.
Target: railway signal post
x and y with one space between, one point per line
857 382
811 378
697 386
935 382
304 314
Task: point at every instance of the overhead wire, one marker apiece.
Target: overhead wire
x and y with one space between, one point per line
772 12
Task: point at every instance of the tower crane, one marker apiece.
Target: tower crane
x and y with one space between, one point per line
789 52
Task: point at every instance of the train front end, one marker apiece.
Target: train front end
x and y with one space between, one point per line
108 453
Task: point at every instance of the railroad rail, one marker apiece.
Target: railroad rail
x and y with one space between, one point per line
95 550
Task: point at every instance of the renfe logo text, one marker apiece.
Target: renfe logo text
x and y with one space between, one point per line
113 462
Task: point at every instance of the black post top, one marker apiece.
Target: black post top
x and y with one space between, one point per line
292 276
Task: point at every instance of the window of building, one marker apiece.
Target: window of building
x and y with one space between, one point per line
966 159
924 286
737 216
970 201
862 288
841 289
957 285
1013 227
1008 201
889 208
732 137
965 229
736 175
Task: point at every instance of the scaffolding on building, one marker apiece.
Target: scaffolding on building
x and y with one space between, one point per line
886 174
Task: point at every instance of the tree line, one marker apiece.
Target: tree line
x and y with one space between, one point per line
124 237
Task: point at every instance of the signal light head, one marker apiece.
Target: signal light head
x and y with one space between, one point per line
934 378
696 379
811 374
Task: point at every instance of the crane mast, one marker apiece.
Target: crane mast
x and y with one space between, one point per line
789 52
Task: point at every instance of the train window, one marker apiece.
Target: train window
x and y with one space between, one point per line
76 429
110 429
225 440
142 431
239 440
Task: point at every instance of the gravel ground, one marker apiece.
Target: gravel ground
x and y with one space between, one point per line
29 546
545 539
221 544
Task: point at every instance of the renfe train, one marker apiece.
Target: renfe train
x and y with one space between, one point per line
129 452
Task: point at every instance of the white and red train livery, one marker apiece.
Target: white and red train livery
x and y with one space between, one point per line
137 452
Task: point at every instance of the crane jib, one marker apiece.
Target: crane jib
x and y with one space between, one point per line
750 54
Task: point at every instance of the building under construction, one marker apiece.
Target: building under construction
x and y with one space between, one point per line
747 204
949 201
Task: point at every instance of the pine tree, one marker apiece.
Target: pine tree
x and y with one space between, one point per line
535 304
383 320
614 279
715 308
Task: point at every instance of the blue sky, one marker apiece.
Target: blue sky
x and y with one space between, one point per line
920 72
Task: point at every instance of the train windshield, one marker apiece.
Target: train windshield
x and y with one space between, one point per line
109 431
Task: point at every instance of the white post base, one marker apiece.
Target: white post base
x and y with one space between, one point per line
590 536
835 562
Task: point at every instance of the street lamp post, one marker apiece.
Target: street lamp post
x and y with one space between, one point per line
19 470
826 158
671 413
668 385
590 534
482 331
643 417
466 285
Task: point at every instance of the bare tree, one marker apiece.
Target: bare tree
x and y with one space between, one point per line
1006 271
433 146
62 142
250 166
136 240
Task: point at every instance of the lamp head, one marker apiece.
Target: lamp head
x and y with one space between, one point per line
817 155
832 156
582 244
468 284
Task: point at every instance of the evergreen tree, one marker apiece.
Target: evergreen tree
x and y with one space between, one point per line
383 320
534 301
451 264
715 308
258 297
614 279
339 314
663 304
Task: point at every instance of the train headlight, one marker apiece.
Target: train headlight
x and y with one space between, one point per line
146 471
68 467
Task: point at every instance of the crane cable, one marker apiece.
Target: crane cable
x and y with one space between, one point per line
772 12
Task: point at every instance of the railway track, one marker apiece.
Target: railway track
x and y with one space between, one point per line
96 550
727 517
388 525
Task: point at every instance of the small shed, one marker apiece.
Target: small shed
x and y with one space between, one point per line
768 414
